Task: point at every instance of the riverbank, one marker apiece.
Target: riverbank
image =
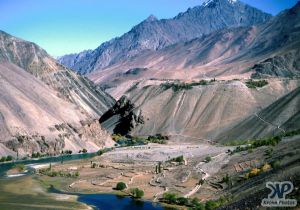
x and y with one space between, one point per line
26 193
6 166
138 167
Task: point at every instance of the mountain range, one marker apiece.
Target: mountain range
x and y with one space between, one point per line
193 70
223 107
153 34
265 50
197 111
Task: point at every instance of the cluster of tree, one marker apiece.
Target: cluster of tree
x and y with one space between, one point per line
254 84
158 168
158 139
129 140
83 151
136 193
49 172
7 158
207 159
228 180
67 152
273 141
184 86
256 171
102 151
291 133
179 159
194 203
93 165
121 186
38 155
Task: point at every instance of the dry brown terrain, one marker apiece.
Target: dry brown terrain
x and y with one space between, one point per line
203 112
45 107
135 166
34 112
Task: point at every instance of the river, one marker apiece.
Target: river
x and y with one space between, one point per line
97 201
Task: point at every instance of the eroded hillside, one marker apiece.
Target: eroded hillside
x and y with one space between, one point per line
45 107
69 85
200 111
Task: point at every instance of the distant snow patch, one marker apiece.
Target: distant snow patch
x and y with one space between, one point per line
205 3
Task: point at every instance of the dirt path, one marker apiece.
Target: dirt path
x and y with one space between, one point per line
79 181
197 187
276 126
206 174
105 182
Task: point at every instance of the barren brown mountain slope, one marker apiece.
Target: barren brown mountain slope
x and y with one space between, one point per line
69 85
45 107
34 119
281 116
268 49
202 112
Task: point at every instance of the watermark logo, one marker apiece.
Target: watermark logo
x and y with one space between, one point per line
276 197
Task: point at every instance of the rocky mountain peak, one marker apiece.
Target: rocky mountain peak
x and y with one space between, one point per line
151 18
153 34
213 2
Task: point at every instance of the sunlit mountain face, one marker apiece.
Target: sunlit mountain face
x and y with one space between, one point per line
198 111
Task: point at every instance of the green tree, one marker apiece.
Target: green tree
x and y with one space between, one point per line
201 181
159 167
169 197
100 152
195 201
137 193
120 186
200 206
178 159
3 159
211 205
182 201
208 159
9 158
94 165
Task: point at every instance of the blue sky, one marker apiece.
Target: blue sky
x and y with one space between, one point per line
68 26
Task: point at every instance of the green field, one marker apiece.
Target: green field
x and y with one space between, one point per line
28 193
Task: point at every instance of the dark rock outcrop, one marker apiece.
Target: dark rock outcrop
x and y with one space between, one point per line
287 65
122 117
